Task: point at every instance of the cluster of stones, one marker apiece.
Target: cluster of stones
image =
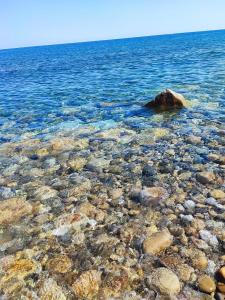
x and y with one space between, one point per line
117 214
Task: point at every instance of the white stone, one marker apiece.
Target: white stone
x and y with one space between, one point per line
211 201
208 238
92 223
180 207
60 231
189 204
187 218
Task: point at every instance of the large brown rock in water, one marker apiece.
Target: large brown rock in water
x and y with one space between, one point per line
167 99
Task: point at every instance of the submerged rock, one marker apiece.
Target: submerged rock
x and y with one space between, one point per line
217 194
45 192
222 272
77 163
165 282
114 284
87 285
157 242
15 273
12 210
60 264
64 143
209 238
21 268
167 99
221 288
198 259
149 196
206 284
51 290
97 164
205 177
6 192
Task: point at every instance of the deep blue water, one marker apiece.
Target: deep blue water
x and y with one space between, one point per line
105 84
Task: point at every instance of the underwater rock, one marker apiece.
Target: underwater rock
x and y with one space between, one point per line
153 195
12 210
198 259
206 284
221 287
196 140
63 144
209 238
97 164
165 282
50 290
42 152
176 264
217 194
116 193
87 285
222 272
15 273
21 268
114 284
59 264
80 186
205 177
6 193
66 222
157 242
77 163
189 205
45 192
167 99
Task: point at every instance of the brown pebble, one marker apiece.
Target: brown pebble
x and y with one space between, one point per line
200 261
157 242
221 287
222 258
164 281
206 284
87 285
222 272
205 177
59 264
218 194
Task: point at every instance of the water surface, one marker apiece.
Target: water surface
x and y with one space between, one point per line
105 84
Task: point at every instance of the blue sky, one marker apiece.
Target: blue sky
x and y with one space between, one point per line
40 22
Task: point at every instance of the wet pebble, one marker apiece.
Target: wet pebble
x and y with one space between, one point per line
87 285
206 284
157 242
153 195
209 238
164 281
205 177
6 193
189 204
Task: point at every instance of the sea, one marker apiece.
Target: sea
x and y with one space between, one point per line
105 84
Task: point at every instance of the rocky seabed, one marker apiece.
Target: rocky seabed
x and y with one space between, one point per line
114 214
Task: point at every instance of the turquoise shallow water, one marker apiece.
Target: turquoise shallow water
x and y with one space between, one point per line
105 84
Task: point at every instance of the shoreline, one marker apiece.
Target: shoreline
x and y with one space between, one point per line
97 216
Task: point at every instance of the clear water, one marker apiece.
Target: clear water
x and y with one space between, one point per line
54 103
105 84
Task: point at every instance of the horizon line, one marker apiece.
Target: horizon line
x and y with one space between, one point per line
113 39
